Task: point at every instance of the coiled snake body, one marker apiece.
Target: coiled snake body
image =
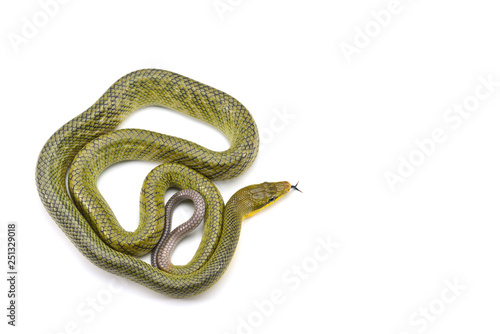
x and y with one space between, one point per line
87 145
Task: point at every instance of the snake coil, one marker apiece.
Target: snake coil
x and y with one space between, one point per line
89 143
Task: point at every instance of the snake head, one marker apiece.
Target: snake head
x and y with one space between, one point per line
258 196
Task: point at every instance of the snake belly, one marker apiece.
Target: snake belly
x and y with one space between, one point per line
161 256
91 133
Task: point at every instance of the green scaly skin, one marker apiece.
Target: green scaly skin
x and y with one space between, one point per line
87 145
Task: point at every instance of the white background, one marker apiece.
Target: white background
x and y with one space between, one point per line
337 123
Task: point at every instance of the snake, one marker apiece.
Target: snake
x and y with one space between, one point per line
72 159
161 256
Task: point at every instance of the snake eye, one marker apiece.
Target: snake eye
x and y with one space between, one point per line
272 199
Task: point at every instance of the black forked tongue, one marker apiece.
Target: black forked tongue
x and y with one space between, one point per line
295 187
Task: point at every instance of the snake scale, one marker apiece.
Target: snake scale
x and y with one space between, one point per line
82 148
162 253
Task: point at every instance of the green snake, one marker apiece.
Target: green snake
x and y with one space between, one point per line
85 146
